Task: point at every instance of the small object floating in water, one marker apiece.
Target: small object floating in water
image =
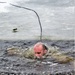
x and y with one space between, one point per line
15 30
47 63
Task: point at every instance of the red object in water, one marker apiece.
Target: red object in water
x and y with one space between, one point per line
39 50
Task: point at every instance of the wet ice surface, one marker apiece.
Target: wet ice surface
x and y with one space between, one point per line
57 19
16 65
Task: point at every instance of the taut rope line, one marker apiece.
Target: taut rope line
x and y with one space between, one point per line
34 12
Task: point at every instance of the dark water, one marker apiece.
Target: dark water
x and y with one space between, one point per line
16 65
57 18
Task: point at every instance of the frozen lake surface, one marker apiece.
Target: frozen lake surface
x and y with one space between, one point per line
57 18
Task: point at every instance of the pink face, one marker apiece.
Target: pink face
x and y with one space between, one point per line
39 51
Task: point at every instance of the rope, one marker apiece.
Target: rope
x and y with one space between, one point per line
34 12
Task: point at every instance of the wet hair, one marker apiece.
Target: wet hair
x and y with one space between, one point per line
45 47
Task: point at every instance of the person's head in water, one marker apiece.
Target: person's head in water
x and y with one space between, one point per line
40 50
